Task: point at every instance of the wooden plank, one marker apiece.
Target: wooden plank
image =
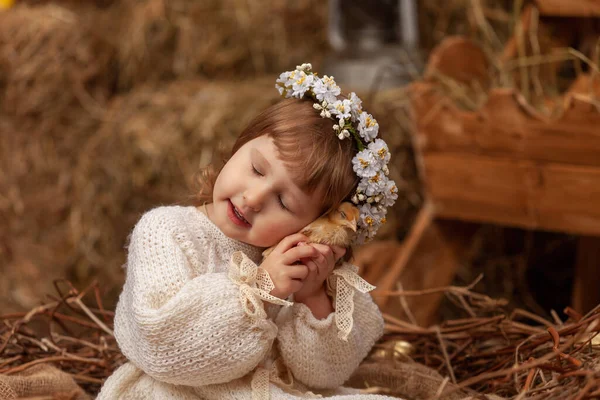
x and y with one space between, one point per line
563 8
586 288
570 198
390 278
506 127
514 192
448 59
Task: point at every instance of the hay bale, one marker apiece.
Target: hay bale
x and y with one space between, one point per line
54 81
35 195
147 153
50 64
185 38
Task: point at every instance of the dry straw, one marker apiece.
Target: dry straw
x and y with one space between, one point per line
511 354
50 65
216 38
66 331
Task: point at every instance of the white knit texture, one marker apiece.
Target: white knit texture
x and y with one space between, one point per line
182 323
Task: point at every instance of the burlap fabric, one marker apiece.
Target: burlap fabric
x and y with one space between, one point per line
410 381
40 381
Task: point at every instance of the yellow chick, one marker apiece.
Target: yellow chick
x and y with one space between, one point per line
336 228
5 4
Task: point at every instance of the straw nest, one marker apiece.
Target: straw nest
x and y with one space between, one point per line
183 38
490 351
50 65
511 354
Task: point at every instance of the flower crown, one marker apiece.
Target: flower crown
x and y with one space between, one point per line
375 191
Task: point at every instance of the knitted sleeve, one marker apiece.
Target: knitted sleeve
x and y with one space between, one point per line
320 353
175 321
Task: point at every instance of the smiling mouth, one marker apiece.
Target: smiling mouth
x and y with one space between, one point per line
240 216
236 216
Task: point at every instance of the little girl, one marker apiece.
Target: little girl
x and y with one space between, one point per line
201 316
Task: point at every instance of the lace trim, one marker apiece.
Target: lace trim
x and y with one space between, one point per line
346 280
255 285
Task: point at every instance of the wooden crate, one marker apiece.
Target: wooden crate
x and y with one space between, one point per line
507 164
504 163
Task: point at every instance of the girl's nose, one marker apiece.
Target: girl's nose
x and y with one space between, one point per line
255 196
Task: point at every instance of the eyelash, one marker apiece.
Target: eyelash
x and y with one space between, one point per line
257 172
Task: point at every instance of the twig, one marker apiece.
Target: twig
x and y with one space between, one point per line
535 46
405 306
446 358
23 367
93 317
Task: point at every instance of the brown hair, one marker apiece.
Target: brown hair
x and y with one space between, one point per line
308 145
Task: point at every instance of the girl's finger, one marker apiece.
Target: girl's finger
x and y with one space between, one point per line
323 248
296 253
297 271
325 251
290 241
313 267
338 252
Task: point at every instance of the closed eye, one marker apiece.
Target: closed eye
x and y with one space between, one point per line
281 203
279 200
255 171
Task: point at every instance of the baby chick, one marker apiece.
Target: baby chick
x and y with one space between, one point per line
336 228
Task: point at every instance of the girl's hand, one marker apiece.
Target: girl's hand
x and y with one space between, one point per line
320 267
283 267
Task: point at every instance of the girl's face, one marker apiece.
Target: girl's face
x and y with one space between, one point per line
255 199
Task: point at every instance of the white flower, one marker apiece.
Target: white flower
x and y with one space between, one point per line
367 126
390 194
341 109
356 105
326 89
373 185
304 67
281 83
371 217
301 84
380 151
364 164
368 216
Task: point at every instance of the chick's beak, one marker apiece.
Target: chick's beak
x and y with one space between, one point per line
352 225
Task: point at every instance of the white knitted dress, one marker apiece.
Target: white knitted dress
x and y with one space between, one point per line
188 322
